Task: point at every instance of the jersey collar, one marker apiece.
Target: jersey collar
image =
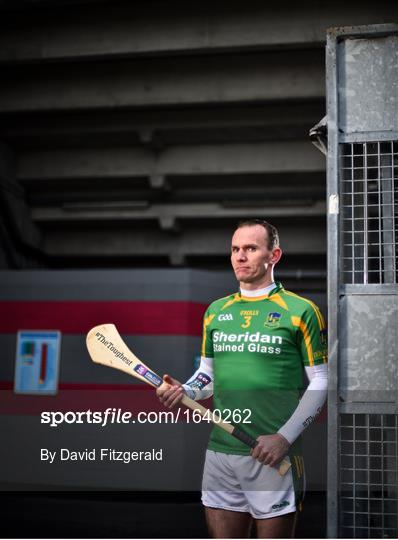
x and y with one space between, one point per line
278 287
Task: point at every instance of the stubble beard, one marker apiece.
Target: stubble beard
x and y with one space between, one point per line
253 278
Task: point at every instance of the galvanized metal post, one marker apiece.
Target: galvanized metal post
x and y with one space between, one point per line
333 283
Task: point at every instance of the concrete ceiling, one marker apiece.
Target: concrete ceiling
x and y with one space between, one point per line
137 134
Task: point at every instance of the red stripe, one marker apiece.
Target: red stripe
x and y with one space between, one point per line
145 318
9 385
79 400
82 397
43 364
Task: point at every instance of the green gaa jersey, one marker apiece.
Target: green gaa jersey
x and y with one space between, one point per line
259 346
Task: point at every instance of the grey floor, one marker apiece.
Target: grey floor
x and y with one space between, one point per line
124 515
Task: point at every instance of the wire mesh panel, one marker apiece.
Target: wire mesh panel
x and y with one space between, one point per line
368 475
369 212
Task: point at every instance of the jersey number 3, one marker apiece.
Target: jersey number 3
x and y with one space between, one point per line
248 320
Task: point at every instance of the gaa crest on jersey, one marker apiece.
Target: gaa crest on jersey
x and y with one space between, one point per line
273 320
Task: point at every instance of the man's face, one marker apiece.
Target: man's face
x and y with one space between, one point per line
250 255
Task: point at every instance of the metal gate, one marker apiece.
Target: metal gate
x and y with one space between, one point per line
362 90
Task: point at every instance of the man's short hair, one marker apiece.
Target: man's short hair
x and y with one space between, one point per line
273 236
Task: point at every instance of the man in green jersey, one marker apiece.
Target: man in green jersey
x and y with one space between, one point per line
256 345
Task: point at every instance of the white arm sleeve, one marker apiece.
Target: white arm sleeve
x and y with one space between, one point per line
310 404
200 385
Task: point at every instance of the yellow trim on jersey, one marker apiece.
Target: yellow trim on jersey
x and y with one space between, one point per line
254 298
236 298
298 468
299 462
318 314
321 320
307 339
277 298
206 322
273 298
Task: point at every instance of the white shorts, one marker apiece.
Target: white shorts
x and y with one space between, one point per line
243 484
